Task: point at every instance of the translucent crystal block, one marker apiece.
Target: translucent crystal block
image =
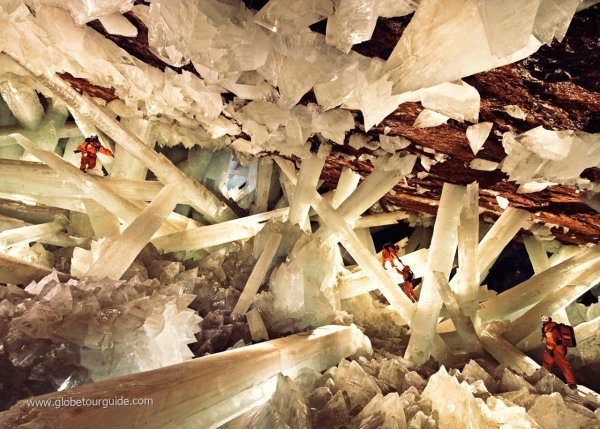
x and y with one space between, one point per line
477 135
508 25
467 285
445 42
459 101
553 19
170 29
289 16
556 156
117 24
308 177
352 22
126 165
347 183
429 118
23 102
257 326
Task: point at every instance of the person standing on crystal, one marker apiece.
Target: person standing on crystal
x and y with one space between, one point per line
89 152
390 254
555 351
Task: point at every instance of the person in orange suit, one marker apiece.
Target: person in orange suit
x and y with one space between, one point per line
408 286
390 254
555 352
89 150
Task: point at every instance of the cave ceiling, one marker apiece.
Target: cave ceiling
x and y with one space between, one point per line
558 88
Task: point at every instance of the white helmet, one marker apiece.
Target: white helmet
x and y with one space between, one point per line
546 319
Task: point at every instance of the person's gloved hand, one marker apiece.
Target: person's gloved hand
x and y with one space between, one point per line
550 352
75 151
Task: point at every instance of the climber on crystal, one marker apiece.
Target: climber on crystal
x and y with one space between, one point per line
390 253
555 351
89 149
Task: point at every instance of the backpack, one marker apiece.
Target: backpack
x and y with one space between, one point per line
567 335
409 276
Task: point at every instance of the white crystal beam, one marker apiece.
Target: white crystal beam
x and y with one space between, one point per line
33 178
121 207
467 285
441 257
258 274
184 394
263 184
391 218
28 234
309 174
582 266
125 164
347 183
117 256
505 353
213 235
537 254
199 197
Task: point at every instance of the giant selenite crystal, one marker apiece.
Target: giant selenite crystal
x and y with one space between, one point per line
441 256
448 40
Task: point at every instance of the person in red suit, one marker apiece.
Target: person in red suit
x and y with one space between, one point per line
555 352
390 254
89 150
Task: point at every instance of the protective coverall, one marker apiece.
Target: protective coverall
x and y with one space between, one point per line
555 352
407 286
89 155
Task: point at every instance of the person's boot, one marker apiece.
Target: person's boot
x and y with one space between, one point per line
572 386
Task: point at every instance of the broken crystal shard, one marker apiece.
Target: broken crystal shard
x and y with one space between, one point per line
553 19
393 8
459 101
515 111
502 202
477 135
170 28
352 22
290 16
117 256
508 24
256 325
258 274
429 118
23 102
537 254
440 258
117 24
445 42
483 164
